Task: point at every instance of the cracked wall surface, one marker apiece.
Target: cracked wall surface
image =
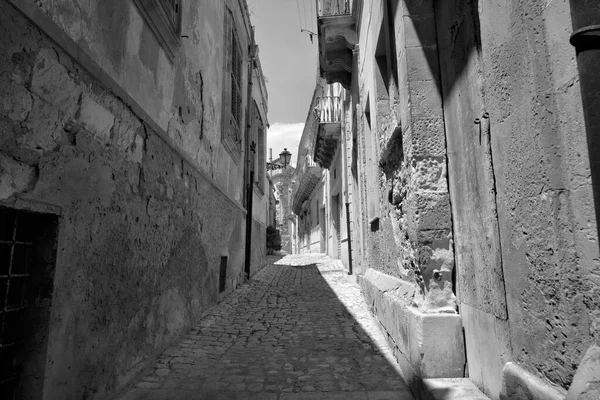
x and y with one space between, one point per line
143 226
514 62
183 96
404 160
545 206
482 157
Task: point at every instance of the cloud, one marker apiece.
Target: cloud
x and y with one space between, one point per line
280 136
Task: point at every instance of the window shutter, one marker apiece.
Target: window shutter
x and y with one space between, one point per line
232 90
227 41
236 79
228 38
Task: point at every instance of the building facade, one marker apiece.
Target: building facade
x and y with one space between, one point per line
132 161
321 196
470 184
282 183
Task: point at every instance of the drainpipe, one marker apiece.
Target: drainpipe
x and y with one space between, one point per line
585 16
349 239
346 194
250 151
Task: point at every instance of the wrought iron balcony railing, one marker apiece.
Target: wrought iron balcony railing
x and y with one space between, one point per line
330 109
308 163
327 8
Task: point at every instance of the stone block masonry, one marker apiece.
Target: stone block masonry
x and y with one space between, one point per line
141 231
425 345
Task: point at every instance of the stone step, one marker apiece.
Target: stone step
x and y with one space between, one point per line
451 389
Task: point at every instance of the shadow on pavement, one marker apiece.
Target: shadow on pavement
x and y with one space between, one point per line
285 335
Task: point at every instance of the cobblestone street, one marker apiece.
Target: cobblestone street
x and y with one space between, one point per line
299 330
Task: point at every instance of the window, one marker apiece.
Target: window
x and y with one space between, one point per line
236 79
164 19
27 264
385 54
223 274
232 88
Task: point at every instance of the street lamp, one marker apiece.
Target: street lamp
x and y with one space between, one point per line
285 157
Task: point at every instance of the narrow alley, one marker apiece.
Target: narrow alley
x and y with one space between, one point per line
299 199
298 329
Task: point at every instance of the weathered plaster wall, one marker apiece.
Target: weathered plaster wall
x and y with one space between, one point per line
545 205
142 231
480 276
374 247
318 227
520 68
259 247
334 184
114 34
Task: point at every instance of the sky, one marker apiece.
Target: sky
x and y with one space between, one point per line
289 62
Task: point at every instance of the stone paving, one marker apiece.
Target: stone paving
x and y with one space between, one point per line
300 329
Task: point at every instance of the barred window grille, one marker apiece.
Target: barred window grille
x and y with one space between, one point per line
27 263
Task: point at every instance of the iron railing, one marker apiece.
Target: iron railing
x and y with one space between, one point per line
306 164
327 8
330 109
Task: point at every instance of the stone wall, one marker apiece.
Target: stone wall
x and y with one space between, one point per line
524 219
407 263
403 155
478 148
545 205
184 96
142 229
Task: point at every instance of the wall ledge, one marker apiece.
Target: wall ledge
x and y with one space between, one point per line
425 345
520 384
586 383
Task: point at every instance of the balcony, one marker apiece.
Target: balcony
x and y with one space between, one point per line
308 175
288 171
337 39
329 131
334 7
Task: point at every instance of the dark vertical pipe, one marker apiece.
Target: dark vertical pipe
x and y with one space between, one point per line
349 238
250 150
586 39
250 193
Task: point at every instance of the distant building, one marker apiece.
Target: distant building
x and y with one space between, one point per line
282 180
470 180
321 197
129 133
